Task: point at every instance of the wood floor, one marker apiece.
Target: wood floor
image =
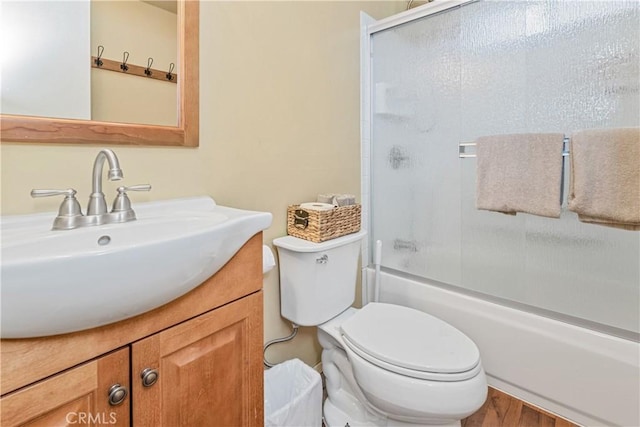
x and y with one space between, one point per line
502 410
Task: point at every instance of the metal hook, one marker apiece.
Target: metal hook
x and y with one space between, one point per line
169 75
147 71
98 61
125 57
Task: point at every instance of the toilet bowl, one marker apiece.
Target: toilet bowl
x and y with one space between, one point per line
385 365
439 381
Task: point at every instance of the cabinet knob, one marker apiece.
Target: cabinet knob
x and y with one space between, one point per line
149 377
117 394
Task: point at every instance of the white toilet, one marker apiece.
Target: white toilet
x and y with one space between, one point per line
385 365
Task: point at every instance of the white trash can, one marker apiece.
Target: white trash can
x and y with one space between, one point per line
292 395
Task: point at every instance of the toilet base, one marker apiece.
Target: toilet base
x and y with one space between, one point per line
335 417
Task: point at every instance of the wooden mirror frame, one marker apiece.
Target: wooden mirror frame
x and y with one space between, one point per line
14 128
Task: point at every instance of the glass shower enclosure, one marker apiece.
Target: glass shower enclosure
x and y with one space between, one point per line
501 67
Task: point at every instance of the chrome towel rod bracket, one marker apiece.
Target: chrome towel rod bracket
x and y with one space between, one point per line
463 152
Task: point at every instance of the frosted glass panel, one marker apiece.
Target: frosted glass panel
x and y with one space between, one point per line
496 68
416 178
493 102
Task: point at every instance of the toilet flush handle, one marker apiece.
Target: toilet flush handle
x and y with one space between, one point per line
323 259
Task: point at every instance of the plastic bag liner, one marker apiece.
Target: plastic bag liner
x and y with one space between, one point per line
292 395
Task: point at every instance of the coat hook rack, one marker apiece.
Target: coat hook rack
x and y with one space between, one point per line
123 67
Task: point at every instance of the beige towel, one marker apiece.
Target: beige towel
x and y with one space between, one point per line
337 199
605 177
520 173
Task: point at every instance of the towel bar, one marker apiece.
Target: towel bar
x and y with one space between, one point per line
462 149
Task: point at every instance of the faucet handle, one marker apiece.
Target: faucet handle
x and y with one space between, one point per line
69 207
122 204
139 187
69 212
69 192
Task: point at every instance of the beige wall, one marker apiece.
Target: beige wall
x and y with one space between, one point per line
279 123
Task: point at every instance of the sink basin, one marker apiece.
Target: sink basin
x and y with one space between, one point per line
54 282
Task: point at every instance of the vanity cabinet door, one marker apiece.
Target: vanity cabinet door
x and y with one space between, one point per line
77 397
208 370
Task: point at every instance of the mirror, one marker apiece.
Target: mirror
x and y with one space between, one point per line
17 128
146 35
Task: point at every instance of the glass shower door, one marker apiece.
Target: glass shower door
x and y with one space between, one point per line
415 203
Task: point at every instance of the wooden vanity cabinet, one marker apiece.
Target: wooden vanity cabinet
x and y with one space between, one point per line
196 361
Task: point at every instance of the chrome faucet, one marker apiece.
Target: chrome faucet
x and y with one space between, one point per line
97 202
70 213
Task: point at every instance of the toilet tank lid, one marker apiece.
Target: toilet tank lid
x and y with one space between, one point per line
296 244
410 339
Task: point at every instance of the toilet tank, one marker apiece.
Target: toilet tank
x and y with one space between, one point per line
317 280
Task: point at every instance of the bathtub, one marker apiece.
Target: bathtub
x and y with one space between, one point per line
588 377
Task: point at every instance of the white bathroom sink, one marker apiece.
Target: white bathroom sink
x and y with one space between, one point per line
54 282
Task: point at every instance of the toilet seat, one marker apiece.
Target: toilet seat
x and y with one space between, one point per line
411 343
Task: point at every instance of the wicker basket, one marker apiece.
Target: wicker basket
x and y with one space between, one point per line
318 226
